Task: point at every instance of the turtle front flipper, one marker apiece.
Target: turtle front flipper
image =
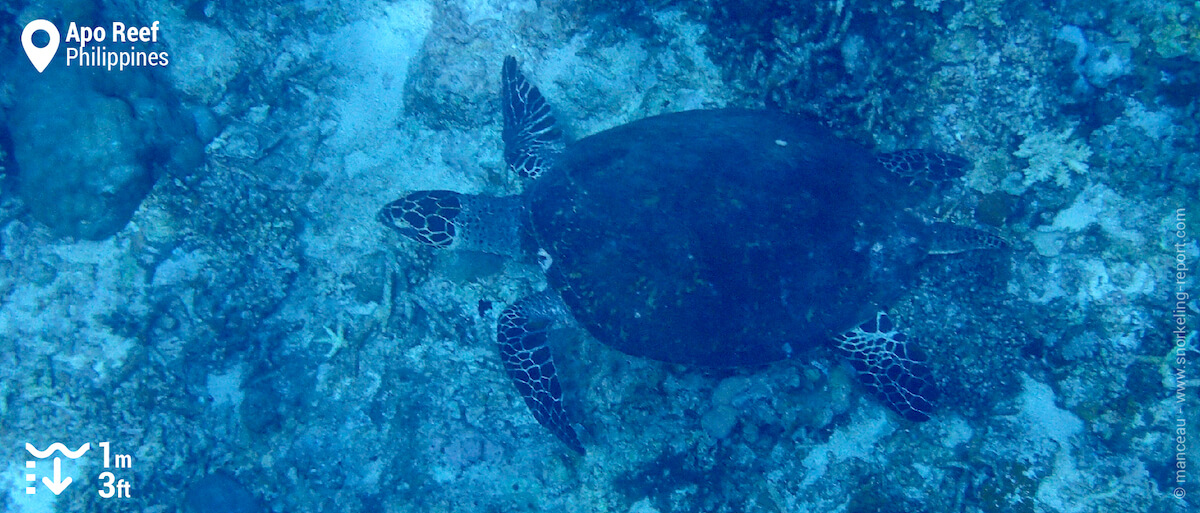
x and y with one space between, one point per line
890 367
450 220
531 135
934 166
949 238
522 336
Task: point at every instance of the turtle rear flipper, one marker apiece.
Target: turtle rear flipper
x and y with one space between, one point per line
450 220
531 135
890 367
522 336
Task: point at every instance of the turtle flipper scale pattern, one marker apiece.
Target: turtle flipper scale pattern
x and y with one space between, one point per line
950 238
522 335
890 367
531 135
916 164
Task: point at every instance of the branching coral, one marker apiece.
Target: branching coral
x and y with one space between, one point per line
1053 154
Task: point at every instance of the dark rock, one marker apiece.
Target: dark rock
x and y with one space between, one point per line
78 157
220 493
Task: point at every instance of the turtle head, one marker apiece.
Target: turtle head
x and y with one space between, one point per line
452 220
424 216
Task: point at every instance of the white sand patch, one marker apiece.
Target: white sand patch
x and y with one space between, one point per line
372 57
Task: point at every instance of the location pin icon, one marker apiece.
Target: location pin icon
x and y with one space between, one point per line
40 57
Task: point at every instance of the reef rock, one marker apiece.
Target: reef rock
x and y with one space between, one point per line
78 157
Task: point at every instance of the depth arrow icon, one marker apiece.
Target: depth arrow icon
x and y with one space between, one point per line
58 484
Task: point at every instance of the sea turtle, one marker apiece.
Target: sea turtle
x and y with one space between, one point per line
712 237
